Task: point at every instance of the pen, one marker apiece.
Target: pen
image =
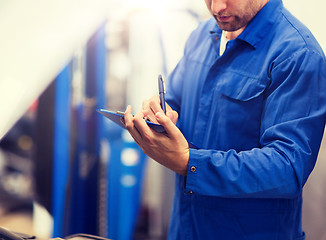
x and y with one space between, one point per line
161 92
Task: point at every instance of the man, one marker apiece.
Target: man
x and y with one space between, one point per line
250 93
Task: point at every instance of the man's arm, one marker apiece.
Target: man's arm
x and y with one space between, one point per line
292 125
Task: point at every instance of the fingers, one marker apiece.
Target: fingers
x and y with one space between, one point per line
140 123
153 106
168 124
129 124
128 119
173 115
137 126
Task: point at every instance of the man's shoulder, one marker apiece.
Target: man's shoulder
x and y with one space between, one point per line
297 34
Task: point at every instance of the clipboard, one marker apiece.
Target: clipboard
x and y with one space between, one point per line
118 118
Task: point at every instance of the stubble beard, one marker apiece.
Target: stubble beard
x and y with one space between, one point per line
239 20
234 25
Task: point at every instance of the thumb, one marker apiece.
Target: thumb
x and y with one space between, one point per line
167 123
173 115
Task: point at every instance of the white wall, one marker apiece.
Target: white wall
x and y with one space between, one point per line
312 14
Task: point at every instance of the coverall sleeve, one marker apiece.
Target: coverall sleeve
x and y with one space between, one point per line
292 126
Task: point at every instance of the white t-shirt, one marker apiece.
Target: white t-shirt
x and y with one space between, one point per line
223 42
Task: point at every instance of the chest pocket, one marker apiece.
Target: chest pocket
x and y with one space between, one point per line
240 87
237 107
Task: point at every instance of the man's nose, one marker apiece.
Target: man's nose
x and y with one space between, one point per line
218 6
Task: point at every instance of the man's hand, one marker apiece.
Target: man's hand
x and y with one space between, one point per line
169 149
152 106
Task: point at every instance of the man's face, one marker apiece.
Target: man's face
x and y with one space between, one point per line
232 15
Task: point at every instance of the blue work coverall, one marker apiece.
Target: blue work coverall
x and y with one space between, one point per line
257 114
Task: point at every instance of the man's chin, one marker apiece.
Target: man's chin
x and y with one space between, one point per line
227 26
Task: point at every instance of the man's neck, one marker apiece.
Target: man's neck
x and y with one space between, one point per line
234 34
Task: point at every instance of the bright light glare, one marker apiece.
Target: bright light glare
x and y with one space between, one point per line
155 6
